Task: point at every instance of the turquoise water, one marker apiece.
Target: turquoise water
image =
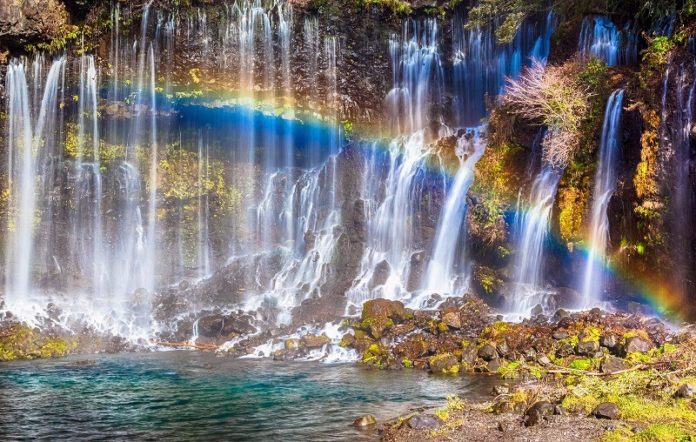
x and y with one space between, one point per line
197 396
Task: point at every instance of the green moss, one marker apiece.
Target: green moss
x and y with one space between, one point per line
509 370
591 334
23 342
407 363
581 364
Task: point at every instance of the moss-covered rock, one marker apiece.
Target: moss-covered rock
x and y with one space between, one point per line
18 341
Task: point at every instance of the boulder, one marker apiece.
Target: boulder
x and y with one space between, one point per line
452 320
537 310
609 341
380 274
424 422
587 348
686 391
612 364
380 314
636 344
314 341
493 365
445 363
560 334
487 352
365 421
606 410
291 344
538 412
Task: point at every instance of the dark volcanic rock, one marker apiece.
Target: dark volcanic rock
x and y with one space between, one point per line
424 422
365 421
636 344
686 391
612 364
444 363
606 410
487 352
538 412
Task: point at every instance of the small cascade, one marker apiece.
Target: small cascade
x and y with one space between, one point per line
600 38
593 283
414 101
448 273
20 185
675 139
530 241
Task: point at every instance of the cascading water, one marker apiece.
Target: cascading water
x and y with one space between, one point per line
447 272
594 278
530 240
600 38
168 190
481 65
675 141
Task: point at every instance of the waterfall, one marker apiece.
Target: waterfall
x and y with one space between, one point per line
481 65
675 140
443 270
600 38
530 241
593 283
417 77
20 171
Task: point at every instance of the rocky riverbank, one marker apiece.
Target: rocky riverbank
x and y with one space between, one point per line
590 375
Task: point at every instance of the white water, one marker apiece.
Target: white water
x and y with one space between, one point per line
594 279
295 198
528 290
444 276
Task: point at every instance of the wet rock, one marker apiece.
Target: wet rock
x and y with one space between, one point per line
501 389
314 341
452 320
493 365
636 344
211 326
537 310
587 348
612 364
347 340
538 413
560 334
417 266
380 274
560 314
365 421
609 341
686 391
487 352
503 349
469 353
424 422
413 347
558 410
444 364
543 360
291 344
606 410
379 314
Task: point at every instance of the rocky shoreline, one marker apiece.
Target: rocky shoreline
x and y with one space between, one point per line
592 375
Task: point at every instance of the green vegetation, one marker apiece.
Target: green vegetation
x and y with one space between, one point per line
22 342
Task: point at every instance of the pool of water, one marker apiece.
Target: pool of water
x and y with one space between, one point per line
196 396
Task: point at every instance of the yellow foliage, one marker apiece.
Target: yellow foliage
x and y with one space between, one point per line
572 203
